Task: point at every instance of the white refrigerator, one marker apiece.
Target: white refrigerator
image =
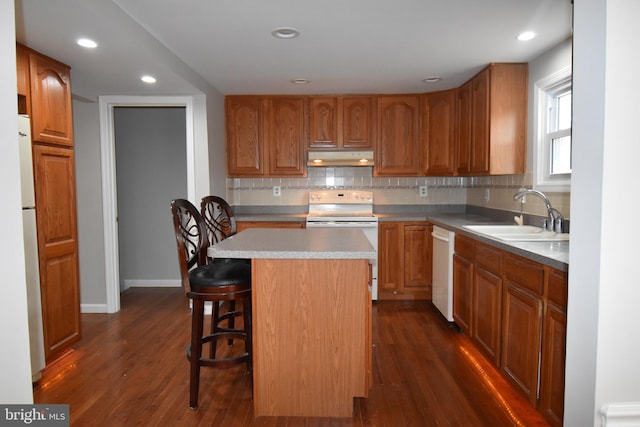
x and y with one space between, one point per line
31 248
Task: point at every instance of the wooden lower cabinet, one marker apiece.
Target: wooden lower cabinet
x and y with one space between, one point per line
486 312
243 225
404 260
57 247
514 310
551 403
521 326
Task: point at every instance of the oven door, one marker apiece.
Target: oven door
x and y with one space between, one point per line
370 230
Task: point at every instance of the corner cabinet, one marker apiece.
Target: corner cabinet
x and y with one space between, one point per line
398 147
265 136
404 260
44 93
341 122
492 121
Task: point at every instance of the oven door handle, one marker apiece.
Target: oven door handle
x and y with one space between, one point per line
328 224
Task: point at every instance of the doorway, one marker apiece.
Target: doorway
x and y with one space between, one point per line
197 170
151 170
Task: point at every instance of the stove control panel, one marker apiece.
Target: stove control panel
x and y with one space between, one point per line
341 197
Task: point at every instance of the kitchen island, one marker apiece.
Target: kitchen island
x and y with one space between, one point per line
311 318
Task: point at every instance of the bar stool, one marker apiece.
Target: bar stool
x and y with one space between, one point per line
214 282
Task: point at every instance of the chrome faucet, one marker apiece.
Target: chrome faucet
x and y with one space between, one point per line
554 217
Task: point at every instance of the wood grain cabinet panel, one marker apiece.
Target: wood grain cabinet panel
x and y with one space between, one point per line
358 129
521 325
487 312
51 112
552 372
266 136
245 140
398 147
404 260
341 123
438 132
57 247
462 292
492 121
285 132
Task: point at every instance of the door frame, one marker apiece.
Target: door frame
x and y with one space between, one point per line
108 174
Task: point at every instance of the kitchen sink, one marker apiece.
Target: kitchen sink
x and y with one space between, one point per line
518 233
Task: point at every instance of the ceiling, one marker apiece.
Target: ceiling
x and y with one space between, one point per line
345 46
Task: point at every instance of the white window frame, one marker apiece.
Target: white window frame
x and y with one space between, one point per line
542 178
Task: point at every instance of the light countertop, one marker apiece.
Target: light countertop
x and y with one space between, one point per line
284 243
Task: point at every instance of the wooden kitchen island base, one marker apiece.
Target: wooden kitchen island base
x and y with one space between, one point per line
311 336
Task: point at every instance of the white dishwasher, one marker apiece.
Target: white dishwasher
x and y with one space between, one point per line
442 279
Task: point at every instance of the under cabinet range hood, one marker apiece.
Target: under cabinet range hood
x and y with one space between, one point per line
340 158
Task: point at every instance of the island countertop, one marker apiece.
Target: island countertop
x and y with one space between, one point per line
283 243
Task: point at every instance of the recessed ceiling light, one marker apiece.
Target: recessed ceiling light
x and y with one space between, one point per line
432 79
527 35
148 79
88 43
285 33
300 81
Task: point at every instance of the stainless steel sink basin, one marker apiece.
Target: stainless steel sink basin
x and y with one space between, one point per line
518 233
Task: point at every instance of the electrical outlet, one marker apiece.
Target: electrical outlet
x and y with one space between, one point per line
423 191
487 195
276 191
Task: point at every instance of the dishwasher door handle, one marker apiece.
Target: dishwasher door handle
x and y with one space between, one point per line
439 236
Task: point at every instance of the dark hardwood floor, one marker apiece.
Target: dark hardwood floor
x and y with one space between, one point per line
130 369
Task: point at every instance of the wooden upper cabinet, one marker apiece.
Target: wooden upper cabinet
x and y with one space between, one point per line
245 142
265 135
398 137
51 111
22 73
341 122
285 136
492 121
323 122
358 122
438 132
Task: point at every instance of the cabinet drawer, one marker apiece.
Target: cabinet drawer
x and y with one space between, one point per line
464 247
489 258
557 288
525 273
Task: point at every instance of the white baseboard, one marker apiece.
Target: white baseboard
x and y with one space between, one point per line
151 284
93 308
621 414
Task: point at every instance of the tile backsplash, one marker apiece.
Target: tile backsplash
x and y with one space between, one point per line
488 191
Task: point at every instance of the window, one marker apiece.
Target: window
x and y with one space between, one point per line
552 153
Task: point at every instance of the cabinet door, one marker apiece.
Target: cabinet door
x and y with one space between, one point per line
552 372
398 149
285 132
390 262
553 362
487 310
245 145
51 113
357 123
438 136
463 138
462 292
479 150
522 333
323 122
418 247
57 247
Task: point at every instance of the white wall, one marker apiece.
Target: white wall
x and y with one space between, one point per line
15 365
603 348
